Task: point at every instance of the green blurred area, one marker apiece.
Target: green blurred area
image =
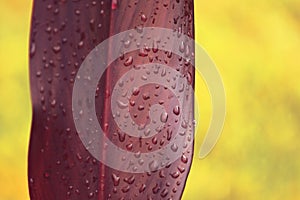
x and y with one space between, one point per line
255 45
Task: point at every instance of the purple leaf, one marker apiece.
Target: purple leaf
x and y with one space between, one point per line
62 35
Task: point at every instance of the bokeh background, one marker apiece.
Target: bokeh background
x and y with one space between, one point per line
256 46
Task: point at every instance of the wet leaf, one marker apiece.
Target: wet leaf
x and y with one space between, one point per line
62 34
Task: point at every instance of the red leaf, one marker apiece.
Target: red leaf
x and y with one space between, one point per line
62 34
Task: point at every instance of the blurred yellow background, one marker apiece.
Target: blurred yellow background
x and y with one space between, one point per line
256 46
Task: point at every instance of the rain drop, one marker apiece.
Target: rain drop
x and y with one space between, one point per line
38 73
126 189
153 165
162 174
176 110
142 188
129 146
181 47
121 137
181 169
127 43
32 49
164 117
77 12
80 44
156 189
129 180
143 17
46 175
122 105
164 193
116 179
56 49
175 174
114 4
174 147
135 91
128 61
146 96
143 52
184 159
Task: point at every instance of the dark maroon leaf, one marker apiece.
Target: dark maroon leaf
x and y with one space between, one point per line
62 34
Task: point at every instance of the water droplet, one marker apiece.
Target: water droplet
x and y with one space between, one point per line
139 28
189 78
56 11
91 195
169 54
46 175
143 52
154 47
181 47
144 78
153 165
129 146
164 193
163 72
154 140
174 147
146 96
137 154
49 6
92 24
175 174
174 190
169 134
78 156
147 132
80 44
38 73
121 137
135 91
142 188
143 17
184 124
56 49
194 122
141 107
31 180
176 110
164 117
122 105
127 43
132 103
184 159
187 51
126 189
32 49
155 189
181 169
129 180
77 12
114 4
162 174
128 61
116 179
53 103
48 29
